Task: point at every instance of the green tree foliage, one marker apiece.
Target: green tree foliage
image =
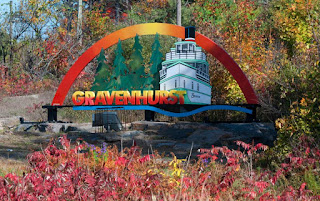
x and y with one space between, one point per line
120 67
297 23
136 56
4 45
120 74
241 28
155 60
304 117
102 77
136 65
162 11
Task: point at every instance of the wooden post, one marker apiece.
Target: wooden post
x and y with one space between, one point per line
52 114
149 115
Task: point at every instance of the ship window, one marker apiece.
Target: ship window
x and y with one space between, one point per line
198 86
178 48
164 86
184 83
191 47
191 85
175 84
184 48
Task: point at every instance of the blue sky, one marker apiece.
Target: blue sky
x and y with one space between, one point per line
5 8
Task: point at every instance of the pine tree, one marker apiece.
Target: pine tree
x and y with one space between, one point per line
136 65
118 63
155 60
102 77
120 79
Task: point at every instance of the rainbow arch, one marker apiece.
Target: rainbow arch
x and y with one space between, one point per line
151 29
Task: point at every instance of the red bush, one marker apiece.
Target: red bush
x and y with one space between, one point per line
86 172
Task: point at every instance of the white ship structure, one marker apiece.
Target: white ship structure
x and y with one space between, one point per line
186 68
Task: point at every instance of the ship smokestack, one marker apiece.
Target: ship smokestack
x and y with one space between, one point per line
190 33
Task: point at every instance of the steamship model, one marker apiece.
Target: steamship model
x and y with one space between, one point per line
186 68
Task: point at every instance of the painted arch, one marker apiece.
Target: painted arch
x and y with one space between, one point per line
152 29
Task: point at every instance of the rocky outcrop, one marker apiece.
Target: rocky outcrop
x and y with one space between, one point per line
179 138
9 122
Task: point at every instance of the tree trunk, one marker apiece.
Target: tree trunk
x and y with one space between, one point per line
10 23
117 12
69 15
79 24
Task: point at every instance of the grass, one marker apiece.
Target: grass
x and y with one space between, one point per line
12 166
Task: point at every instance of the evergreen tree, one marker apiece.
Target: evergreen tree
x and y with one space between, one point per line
102 77
120 79
155 60
118 63
136 65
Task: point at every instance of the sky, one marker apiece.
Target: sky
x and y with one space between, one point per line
5 8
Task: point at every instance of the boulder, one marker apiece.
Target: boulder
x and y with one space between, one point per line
163 143
9 122
207 137
186 147
139 125
193 125
24 127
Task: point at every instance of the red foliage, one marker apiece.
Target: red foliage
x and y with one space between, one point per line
18 84
86 172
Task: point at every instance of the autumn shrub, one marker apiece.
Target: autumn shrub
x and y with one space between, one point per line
20 83
87 172
302 121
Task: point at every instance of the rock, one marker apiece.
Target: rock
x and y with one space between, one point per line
24 127
207 137
112 137
193 125
163 143
259 132
125 136
54 127
151 132
157 125
186 147
150 125
131 134
139 125
175 133
9 122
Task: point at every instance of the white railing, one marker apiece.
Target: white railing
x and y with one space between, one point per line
197 55
203 76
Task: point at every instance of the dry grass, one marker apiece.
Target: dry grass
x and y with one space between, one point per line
18 105
12 166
